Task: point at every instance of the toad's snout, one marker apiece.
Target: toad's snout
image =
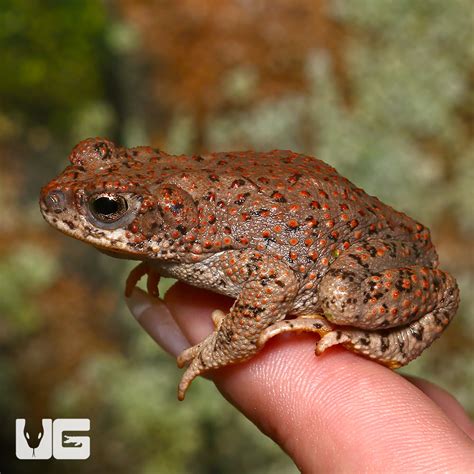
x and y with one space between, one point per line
54 201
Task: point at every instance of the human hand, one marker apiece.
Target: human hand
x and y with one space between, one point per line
334 413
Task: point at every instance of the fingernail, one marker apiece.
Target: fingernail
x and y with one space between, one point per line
155 317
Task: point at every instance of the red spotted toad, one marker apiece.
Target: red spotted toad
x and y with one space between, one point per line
298 245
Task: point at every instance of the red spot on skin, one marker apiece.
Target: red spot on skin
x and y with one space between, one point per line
277 196
266 234
277 228
344 217
357 234
395 294
293 224
313 256
308 242
293 242
323 242
227 240
406 284
346 245
315 205
244 240
133 228
325 261
394 311
293 255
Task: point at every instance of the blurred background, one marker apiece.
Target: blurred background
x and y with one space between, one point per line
380 89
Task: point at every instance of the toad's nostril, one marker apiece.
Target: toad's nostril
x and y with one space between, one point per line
55 201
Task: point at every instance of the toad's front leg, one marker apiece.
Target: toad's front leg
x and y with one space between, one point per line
268 288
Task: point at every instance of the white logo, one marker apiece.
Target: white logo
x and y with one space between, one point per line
53 439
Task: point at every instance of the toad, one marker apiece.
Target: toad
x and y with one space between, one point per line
297 245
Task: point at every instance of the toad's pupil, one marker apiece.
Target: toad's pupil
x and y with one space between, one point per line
106 206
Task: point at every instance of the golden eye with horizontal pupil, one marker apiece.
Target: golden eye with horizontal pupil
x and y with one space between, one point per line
108 208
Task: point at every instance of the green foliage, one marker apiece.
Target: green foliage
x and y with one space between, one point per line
20 278
52 56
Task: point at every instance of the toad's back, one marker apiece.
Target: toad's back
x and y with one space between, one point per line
290 205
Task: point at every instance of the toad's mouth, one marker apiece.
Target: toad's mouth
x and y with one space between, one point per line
113 242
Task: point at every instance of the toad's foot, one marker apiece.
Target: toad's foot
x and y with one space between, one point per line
307 323
189 354
201 358
141 269
217 317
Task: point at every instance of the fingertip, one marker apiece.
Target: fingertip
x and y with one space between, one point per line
155 317
447 402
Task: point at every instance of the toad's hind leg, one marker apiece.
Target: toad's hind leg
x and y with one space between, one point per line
393 314
392 347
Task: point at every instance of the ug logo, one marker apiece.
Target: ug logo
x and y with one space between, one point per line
54 438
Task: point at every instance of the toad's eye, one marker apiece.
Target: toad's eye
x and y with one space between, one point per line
108 208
